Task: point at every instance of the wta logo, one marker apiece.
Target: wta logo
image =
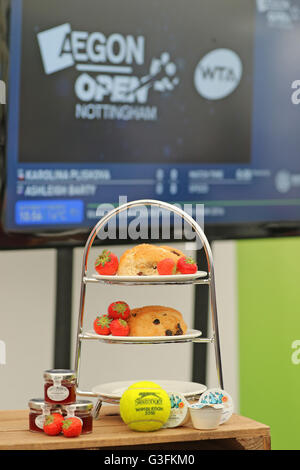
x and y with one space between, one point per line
218 74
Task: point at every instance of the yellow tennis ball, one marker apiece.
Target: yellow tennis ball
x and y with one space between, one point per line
145 406
144 384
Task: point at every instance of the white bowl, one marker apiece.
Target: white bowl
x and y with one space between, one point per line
206 416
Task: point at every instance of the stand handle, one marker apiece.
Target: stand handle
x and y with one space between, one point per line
210 267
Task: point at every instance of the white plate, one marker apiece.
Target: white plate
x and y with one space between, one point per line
116 389
190 334
156 278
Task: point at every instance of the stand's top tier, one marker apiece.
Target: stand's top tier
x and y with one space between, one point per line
199 233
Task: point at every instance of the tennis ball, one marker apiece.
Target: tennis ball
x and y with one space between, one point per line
144 384
145 406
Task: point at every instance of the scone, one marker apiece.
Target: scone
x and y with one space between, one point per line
156 320
142 259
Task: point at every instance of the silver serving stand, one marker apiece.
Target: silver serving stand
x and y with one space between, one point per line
209 280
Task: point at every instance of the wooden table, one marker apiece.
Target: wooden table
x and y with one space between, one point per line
110 433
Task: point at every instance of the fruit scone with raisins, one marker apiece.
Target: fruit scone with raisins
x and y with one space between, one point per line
156 320
142 259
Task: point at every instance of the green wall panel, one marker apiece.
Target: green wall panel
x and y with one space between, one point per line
269 323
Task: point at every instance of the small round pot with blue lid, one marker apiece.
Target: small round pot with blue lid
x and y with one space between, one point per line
205 416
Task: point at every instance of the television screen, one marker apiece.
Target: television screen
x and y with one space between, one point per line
182 101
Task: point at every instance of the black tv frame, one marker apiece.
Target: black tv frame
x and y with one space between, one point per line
56 238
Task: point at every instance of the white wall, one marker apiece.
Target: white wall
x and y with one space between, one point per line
224 253
27 315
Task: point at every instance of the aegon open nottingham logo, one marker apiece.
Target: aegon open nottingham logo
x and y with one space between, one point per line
109 85
218 74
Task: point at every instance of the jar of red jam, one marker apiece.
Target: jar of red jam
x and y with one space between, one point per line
38 410
82 409
60 386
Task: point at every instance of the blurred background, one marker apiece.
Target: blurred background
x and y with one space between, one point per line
193 106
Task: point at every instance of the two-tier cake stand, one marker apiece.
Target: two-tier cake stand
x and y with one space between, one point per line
207 279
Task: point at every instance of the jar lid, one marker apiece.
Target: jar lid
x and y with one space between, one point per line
36 403
81 405
39 403
60 374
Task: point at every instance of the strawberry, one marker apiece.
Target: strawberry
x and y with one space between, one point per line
166 266
102 325
72 427
186 265
119 327
118 309
107 263
53 424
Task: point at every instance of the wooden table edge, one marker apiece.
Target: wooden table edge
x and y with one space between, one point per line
132 438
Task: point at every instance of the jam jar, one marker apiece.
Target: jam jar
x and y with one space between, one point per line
82 409
60 386
38 410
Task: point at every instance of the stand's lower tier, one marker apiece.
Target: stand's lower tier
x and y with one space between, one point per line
113 391
193 336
